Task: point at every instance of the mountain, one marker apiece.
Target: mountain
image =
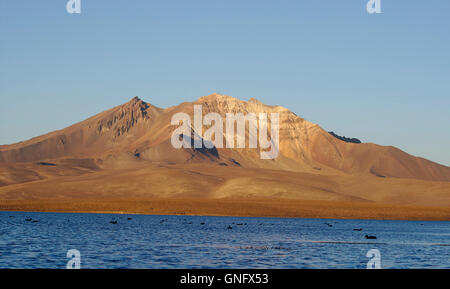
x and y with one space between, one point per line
140 129
111 153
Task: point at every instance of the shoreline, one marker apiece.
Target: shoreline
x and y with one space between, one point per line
279 208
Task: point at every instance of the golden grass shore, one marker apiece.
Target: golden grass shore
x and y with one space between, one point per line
282 208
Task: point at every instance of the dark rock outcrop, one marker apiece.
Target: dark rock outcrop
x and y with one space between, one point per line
343 138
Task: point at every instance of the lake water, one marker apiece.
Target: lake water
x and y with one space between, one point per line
207 242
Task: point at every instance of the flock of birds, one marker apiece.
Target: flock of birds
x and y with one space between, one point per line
115 222
369 237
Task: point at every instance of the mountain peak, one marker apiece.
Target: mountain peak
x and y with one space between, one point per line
135 104
217 97
136 99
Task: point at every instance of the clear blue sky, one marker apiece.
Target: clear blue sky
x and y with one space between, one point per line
382 78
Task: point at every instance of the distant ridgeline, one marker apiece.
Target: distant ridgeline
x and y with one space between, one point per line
346 139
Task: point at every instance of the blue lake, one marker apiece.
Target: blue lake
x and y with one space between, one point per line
208 242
